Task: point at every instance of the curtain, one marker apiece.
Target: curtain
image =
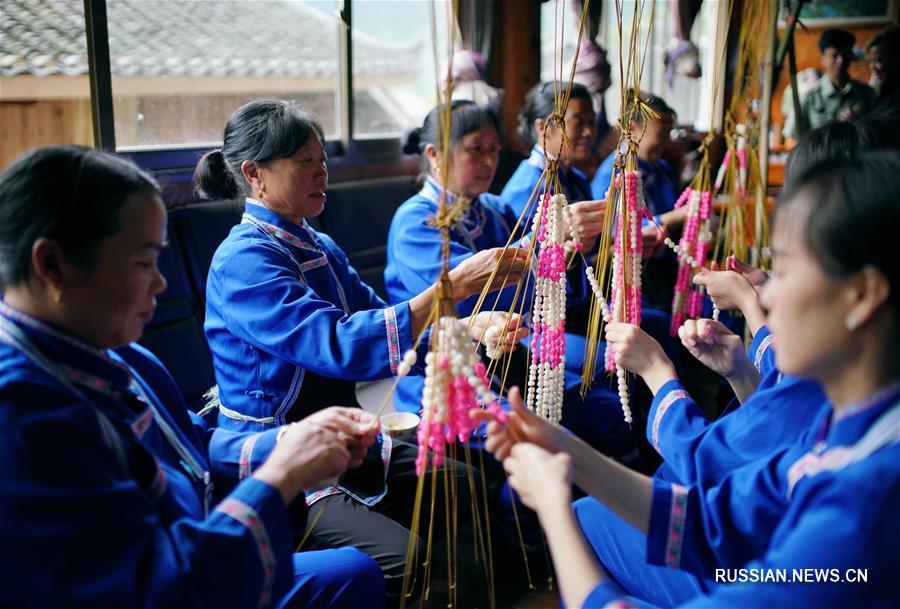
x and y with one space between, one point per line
476 21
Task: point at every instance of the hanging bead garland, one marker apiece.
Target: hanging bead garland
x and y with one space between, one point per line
691 251
455 382
548 342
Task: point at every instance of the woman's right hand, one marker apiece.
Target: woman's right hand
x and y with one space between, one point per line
472 274
521 426
314 452
717 347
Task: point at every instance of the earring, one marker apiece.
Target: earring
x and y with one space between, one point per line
262 191
851 323
58 296
435 169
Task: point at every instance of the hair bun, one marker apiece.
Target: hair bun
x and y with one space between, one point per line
413 141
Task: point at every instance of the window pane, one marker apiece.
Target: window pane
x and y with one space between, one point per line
181 67
559 32
393 63
44 85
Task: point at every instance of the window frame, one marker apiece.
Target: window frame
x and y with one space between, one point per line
347 150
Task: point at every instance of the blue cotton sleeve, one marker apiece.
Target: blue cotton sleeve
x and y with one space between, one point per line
699 530
675 428
76 530
761 353
837 547
261 301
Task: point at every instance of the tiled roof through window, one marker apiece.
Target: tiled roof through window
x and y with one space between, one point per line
212 38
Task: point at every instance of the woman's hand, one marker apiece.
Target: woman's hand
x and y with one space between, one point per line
522 426
636 351
314 452
728 290
756 277
540 477
717 347
510 333
472 274
587 218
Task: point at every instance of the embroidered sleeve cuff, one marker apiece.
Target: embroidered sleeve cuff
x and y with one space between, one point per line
665 535
667 395
260 509
759 345
236 455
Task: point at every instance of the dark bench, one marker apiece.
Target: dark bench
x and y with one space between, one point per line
357 216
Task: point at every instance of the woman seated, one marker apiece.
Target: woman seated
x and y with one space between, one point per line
545 137
828 504
414 259
109 481
284 304
661 190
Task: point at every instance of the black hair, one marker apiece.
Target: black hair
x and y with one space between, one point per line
836 38
851 215
71 194
838 140
465 117
259 131
541 102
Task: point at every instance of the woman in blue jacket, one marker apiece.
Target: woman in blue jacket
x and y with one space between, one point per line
111 487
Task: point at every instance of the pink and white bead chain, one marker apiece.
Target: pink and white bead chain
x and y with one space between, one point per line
548 341
626 282
691 252
455 383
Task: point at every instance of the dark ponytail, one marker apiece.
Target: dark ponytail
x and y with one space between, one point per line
259 131
411 145
212 178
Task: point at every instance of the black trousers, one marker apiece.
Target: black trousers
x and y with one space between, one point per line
382 531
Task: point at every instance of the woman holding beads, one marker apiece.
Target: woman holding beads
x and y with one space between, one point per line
837 488
283 300
414 257
113 493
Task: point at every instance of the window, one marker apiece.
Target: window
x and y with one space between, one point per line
181 67
44 85
688 97
393 63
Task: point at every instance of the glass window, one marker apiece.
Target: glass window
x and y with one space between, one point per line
44 85
688 97
181 67
559 30
393 63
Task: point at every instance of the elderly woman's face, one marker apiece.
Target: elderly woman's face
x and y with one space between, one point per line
109 304
295 185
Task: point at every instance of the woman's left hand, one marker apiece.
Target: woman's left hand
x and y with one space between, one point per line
539 476
636 351
587 218
511 332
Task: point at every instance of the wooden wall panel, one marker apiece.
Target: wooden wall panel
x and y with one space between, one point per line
26 125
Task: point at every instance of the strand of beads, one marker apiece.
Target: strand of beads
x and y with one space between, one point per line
548 342
704 240
626 273
455 382
687 302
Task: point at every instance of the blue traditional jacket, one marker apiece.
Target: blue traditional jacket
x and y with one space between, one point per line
521 184
700 452
107 485
840 496
414 261
292 327
658 179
